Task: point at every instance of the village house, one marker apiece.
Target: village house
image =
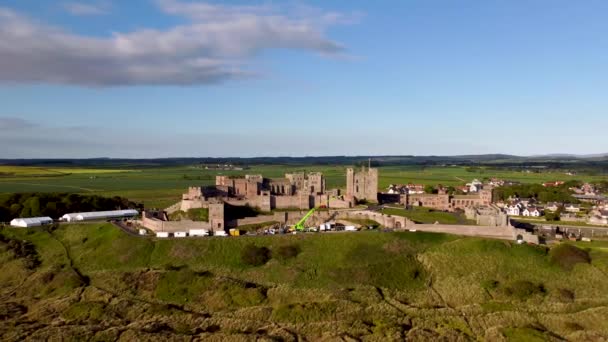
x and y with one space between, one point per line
572 208
475 185
495 182
462 188
553 184
553 206
513 210
414 189
531 211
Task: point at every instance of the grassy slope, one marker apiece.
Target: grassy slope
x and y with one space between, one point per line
339 280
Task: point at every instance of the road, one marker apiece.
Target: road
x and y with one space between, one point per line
122 225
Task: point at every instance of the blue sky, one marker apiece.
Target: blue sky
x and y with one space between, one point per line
177 78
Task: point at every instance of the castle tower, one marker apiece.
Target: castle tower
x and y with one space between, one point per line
216 216
363 185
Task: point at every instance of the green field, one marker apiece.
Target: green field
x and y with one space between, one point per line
161 187
427 215
94 281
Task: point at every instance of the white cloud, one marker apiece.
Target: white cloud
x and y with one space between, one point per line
215 44
80 8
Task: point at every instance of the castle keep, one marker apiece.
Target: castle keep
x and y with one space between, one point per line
362 185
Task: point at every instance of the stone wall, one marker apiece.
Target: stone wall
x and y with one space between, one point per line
187 204
439 202
487 216
388 221
157 225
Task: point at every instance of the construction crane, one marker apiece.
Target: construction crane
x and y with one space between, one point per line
300 224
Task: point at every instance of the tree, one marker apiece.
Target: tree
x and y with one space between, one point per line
255 256
31 207
429 189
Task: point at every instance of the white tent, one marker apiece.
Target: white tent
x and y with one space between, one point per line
99 215
31 222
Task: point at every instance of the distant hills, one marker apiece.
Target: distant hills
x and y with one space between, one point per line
553 160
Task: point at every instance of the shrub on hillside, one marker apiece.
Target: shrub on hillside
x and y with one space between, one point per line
287 251
565 295
523 289
566 256
255 256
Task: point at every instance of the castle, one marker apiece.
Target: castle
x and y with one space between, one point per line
295 191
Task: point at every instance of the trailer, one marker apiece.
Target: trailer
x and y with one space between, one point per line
198 232
180 234
162 234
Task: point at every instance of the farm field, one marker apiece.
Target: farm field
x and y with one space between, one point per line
94 281
161 187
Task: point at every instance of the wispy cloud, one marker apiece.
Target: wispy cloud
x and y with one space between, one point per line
11 123
81 8
215 45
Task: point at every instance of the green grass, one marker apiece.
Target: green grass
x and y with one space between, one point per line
524 335
362 283
427 215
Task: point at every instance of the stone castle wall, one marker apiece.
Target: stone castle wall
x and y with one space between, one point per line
157 225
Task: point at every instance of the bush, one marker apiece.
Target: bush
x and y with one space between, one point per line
567 256
287 251
490 284
255 256
565 295
523 289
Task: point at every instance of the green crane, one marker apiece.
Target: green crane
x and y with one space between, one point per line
300 224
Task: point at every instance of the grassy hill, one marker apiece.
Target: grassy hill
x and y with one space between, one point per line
95 282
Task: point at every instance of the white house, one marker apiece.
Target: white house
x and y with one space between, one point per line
99 215
552 206
513 210
532 211
392 189
475 185
572 208
31 222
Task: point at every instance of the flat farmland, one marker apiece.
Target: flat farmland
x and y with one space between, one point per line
163 186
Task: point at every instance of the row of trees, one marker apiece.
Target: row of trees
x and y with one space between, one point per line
57 204
537 191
